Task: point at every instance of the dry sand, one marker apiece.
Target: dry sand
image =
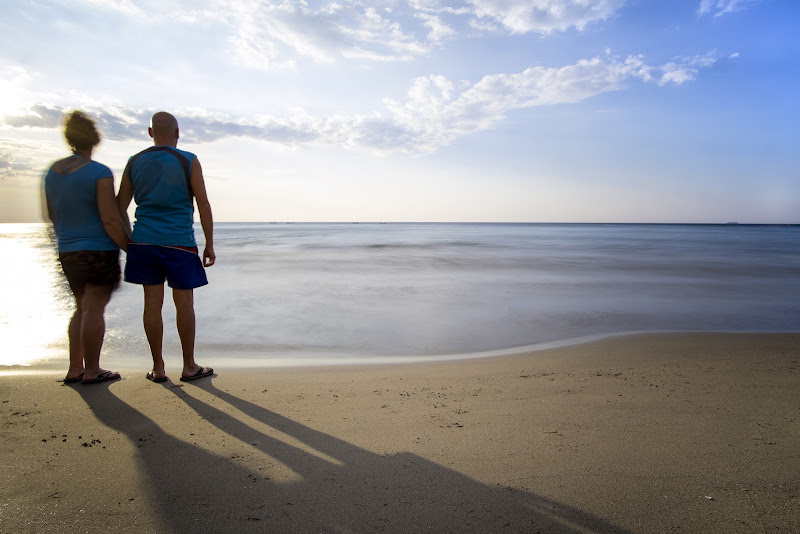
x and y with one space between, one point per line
642 433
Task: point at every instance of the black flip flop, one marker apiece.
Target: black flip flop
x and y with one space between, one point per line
78 378
152 377
102 377
199 374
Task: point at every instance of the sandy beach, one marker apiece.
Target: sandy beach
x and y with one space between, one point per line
643 433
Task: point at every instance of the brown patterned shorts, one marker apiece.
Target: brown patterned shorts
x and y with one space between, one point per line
96 267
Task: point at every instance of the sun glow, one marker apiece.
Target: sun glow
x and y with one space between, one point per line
13 97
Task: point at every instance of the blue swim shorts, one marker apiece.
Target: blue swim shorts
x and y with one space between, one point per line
149 265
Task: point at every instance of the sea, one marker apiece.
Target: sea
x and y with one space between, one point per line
300 294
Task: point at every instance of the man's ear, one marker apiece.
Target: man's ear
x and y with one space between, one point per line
150 131
177 133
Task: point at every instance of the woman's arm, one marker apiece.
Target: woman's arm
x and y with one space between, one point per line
109 212
124 197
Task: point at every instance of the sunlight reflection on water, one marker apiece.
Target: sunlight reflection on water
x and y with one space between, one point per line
36 302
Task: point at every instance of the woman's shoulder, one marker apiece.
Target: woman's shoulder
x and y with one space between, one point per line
63 166
100 168
71 165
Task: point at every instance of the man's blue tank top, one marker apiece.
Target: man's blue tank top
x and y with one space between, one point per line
164 204
73 201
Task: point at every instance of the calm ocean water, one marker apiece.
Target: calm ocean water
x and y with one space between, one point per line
315 293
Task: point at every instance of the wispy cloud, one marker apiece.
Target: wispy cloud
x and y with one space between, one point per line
437 109
125 7
16 163
270 35
686 69
545 16
721 7
279 34
438 30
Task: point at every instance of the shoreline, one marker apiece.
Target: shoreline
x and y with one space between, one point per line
694 432
312 360
307 359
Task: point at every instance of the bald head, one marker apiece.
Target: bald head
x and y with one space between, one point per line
164 129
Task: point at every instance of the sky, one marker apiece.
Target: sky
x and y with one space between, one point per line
666 111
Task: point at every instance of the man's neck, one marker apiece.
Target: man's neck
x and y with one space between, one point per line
165 142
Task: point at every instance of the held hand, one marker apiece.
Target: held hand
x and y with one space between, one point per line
209 257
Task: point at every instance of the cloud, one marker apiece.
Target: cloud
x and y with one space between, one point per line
15 74
685 69
16 163
268 35
439 31
437 109
39 116
125 7
523 16
275 35
722 7
118 124
545 16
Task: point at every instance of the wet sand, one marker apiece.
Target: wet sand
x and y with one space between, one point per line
642 433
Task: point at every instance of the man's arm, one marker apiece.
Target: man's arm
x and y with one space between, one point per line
204 209
109 213
124 197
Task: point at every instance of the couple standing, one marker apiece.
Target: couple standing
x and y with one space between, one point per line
92 225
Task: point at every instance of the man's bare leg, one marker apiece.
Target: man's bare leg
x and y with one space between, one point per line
184 316
93 329
154 326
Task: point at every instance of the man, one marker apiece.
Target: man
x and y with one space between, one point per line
162 180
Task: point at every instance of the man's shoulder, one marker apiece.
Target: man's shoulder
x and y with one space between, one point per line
161 149
186 153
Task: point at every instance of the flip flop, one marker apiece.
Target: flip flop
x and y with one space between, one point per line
152 377
105 376
78 378
201 373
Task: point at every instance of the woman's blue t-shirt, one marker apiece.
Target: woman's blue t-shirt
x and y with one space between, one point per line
73 203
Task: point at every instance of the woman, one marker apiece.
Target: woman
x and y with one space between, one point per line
81 204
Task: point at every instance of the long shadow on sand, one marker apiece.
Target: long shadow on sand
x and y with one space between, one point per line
352 490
